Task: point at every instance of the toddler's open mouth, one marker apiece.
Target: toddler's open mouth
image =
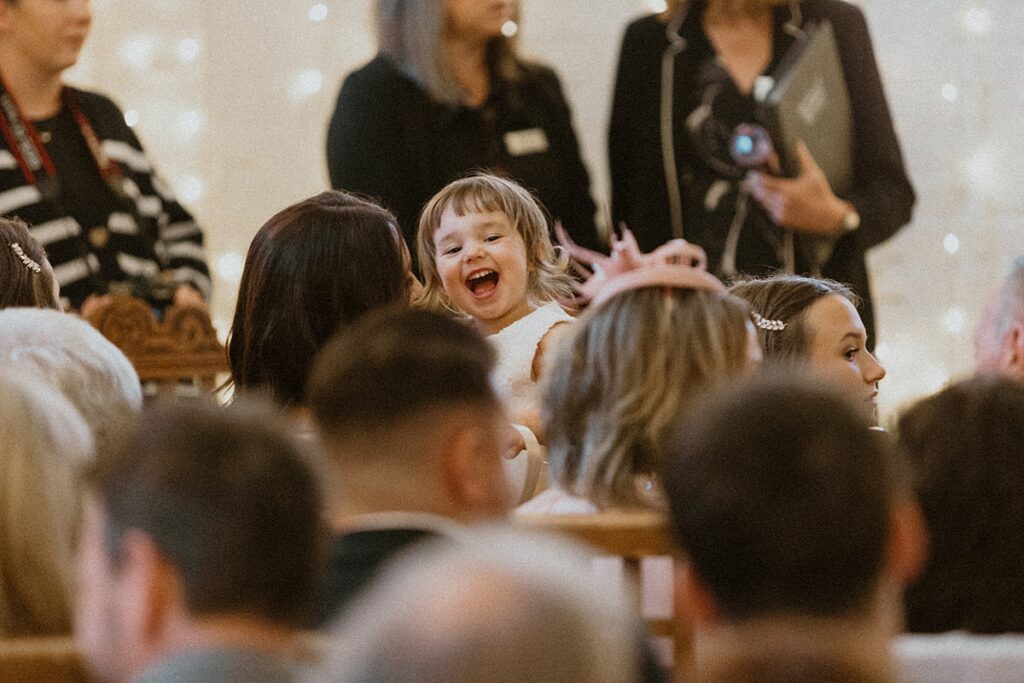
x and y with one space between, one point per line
482 282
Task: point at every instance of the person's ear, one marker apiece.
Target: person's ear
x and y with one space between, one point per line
1015 350
148 586
472 470
907 550
694 603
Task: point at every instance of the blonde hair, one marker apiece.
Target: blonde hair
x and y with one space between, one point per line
412 33
623 377
548 277
45 441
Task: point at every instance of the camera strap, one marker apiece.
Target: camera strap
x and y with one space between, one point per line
30 153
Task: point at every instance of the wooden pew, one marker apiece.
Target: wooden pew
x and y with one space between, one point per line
182 346
632 536
41 660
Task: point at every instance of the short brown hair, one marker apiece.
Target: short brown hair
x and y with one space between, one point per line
227 498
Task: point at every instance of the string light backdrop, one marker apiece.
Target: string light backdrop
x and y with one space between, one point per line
232 100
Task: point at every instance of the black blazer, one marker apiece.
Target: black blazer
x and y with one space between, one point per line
389 139
881 191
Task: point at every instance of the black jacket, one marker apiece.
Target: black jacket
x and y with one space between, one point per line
389 139
881 191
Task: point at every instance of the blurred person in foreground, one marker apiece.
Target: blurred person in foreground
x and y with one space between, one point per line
503 606
413 433
798 533
200 549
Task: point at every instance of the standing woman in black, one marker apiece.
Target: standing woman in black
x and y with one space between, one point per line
446 95
685 81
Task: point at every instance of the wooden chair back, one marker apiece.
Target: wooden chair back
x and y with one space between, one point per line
41 660
632 536
182 346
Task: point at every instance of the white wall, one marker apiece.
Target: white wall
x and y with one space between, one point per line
240 129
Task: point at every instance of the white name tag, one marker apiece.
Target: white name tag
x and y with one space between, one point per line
530 141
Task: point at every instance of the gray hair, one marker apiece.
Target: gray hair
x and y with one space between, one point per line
1011 299
45 441
69 354
412 33
495 605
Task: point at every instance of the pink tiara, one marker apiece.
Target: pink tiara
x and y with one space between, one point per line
677 264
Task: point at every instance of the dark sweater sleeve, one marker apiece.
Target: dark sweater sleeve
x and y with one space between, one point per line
881 190
577 213
623 117
365 143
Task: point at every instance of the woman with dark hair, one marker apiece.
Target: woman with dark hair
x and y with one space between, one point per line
26 277
803 319
311 268
966 451
445 95
685 83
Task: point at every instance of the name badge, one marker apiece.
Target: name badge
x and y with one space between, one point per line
530 141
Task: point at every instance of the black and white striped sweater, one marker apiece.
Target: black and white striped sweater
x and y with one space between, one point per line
169 239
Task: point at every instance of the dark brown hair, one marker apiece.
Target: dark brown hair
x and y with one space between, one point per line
781 498
785 299
227 499
966 448
394 364
20 284
313 267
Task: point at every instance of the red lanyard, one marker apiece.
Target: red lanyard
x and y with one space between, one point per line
30 152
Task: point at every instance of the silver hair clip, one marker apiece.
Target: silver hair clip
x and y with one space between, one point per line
29 263
766 324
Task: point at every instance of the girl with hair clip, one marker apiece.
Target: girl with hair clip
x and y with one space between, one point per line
803 319
659 331
448 94
485 253
26 277
686 90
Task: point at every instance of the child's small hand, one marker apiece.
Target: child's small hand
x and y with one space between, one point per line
514 442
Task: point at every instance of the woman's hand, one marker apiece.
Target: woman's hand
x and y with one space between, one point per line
805 203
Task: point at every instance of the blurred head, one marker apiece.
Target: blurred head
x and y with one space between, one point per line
624 374
999 339
48 35
499 606
26 277
785 504
311 269
965 448
486 221
414 34
820 326
407 412
45 442
202 514
67 353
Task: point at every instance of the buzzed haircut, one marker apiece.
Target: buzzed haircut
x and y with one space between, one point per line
398 363
781 496
228 500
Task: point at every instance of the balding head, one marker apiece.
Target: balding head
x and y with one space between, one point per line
499 605
999 339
